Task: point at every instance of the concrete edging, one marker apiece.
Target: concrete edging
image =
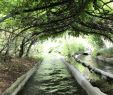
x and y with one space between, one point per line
84 83
94 69
20 82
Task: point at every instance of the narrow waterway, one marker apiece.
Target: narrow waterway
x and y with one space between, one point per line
105 86
52 78
99 64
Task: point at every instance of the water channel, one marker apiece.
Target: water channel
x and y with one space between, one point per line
53 78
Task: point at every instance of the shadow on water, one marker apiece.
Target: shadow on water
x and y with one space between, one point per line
52 78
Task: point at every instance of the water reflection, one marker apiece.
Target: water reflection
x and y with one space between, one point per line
52 78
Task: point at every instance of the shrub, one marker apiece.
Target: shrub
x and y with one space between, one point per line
72 47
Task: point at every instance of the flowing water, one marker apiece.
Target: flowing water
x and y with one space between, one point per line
52 78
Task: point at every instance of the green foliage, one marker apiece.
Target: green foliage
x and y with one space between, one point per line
106 52
49 18
96 41
70 47
94 53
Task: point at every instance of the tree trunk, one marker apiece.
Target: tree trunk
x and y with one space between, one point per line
21 52
29 47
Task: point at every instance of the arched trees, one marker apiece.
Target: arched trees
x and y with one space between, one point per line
24 21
